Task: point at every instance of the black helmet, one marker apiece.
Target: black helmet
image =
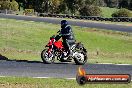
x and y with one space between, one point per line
64 23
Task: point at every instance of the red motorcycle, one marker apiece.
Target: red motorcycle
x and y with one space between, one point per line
55 50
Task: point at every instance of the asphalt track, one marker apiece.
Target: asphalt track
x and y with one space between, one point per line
58 70
115 27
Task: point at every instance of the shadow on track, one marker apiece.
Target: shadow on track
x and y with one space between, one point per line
7 59
3 57
26 61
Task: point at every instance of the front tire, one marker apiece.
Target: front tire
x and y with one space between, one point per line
80 58
80 54
46 58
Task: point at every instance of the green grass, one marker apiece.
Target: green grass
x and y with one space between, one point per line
107 12
14 82
24 40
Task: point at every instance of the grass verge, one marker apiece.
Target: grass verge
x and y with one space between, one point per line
15 82
24 40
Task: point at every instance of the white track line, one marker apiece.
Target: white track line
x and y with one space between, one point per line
41 77
3 76
103 63
52 77
113 64
123 64
71 78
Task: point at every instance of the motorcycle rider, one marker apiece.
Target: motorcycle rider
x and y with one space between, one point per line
67 35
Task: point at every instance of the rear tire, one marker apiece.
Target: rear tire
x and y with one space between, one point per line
46 59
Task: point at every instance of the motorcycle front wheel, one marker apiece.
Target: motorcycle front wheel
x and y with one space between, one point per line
80 58
46 58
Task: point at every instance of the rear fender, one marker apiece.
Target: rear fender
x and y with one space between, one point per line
81 46
73 47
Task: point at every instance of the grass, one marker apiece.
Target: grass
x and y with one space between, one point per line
24 40
107 12
15 82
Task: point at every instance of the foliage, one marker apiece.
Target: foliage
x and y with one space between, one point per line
90 11
130 5
73 7
14 5
5 5
63 8
107 12
113 3
91 2
122 13
9 5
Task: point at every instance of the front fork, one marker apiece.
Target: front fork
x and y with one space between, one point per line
50 49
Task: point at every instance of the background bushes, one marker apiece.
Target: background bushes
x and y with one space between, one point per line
90 11
122 13
7 4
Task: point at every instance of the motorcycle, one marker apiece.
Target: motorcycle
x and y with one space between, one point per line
55 49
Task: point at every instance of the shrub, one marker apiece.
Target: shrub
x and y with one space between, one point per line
9 5
122 13
90 11
5 5
14 5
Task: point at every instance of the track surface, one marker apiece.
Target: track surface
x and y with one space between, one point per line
57 70
75 23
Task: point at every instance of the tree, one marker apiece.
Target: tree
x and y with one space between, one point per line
91 2
79 4
101 3
130 5
123 4
90 11
71 5
8 5
0 4
113 3
5 5
63 8
54 5
14 5
20 3
48 6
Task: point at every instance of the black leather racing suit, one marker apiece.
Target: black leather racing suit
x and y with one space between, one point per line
67 36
